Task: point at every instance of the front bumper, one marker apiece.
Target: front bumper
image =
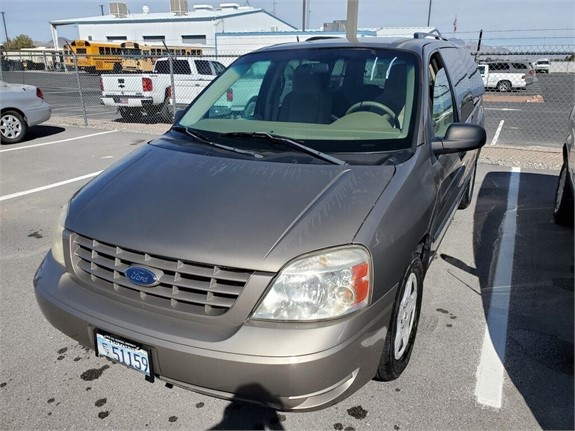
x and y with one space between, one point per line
250 362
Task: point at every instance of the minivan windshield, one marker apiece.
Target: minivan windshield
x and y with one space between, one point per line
344 100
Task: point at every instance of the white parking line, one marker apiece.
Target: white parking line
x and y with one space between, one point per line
503 109
56 142
490 372
496 137
49 186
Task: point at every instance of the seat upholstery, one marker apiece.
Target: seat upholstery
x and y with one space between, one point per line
394 92
309 100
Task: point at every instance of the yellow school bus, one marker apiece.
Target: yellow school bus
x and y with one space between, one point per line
95 57
140 58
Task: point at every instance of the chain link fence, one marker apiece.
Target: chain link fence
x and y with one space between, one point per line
530 89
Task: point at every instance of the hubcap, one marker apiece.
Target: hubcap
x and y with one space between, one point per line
405 316
10 126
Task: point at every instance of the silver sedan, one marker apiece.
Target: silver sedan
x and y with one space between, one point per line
22 106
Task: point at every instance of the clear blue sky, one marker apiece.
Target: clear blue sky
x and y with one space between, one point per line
31 17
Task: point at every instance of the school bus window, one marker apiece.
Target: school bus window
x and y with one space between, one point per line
81 51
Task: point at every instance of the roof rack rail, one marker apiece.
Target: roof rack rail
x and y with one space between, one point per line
309 39
434 34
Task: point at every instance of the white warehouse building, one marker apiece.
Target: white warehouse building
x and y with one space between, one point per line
179 26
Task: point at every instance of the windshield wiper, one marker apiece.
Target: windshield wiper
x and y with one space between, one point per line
204 140
287 142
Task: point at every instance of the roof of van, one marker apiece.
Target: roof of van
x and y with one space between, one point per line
410 44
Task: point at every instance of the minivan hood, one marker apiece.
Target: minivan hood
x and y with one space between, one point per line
227 212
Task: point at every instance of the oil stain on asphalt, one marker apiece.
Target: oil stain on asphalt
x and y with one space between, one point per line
93 373
36 235
358 412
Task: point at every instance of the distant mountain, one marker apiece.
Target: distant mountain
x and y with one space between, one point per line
50 44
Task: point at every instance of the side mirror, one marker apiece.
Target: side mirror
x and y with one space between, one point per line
460 137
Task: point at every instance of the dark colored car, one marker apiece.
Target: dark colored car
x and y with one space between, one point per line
276 256
563 210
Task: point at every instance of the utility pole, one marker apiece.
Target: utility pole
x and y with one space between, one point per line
429 13
5 29
304 16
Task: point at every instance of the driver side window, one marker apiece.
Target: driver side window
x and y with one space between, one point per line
442 111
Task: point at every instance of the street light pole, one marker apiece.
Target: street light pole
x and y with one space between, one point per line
429 13
5 29
304 16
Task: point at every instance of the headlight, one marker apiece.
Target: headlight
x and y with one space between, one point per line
322 285
57 238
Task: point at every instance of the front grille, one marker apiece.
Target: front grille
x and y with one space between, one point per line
184 286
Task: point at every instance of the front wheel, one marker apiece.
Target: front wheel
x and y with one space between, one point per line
468 194
13 127
403 325
563 210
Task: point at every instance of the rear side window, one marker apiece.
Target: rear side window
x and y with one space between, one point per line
465 78
375 71
519 66
499 66
180 66
203 67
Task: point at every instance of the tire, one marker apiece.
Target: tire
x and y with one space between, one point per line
468 194
117 68
563 209
91 70
13 127
399 340
165 112
130 114
503 86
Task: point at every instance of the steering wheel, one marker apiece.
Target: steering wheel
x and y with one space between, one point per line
376 107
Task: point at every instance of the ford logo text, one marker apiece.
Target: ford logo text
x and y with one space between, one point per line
142 276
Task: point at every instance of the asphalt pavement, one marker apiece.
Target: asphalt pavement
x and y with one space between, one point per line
494 348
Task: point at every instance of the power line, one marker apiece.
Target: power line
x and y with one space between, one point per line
515 30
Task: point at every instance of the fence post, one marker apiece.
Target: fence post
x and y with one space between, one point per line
171 63
79 86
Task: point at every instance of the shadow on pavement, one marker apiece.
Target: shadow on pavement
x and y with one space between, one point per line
42 132
538 351
243 416
539 347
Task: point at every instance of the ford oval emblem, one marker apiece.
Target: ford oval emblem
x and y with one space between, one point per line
142 276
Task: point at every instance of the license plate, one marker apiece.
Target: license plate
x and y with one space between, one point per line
124 352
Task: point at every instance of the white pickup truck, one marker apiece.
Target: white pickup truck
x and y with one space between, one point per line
238 101
150 93
506 75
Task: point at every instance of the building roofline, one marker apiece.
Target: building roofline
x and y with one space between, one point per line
161 17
